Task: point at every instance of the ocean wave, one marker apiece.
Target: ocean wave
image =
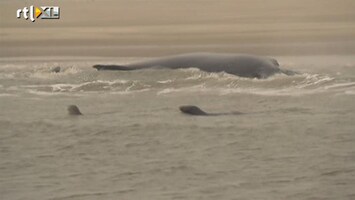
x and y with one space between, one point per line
49 73
113 87
341 85
8 95
350 92
81 78
311 80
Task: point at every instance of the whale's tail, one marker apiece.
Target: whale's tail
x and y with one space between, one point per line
284 71
112 67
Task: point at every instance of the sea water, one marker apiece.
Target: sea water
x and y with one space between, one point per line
295 139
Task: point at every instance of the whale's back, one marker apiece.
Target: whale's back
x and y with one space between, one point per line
239 64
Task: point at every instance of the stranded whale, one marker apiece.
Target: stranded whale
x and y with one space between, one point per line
243 65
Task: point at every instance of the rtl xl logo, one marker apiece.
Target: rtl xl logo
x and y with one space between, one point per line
43 12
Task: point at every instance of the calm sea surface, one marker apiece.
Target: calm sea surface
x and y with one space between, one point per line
295 141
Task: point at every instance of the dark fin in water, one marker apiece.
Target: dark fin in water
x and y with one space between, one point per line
55 69
192 110
112 67
74 110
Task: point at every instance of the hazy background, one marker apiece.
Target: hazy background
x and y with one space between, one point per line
156 27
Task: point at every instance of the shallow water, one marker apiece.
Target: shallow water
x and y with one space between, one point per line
295 141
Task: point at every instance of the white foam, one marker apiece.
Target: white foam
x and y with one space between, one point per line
314 79
195 88
350 92
8 95
43 93
126 92
340 85
165 81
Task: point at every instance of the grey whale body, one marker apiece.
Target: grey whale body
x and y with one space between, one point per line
242 65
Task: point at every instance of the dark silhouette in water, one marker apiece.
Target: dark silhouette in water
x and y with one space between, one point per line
74 110
186 109
194 110
55 69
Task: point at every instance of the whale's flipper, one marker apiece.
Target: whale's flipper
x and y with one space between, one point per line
192 110
74 110
112 67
